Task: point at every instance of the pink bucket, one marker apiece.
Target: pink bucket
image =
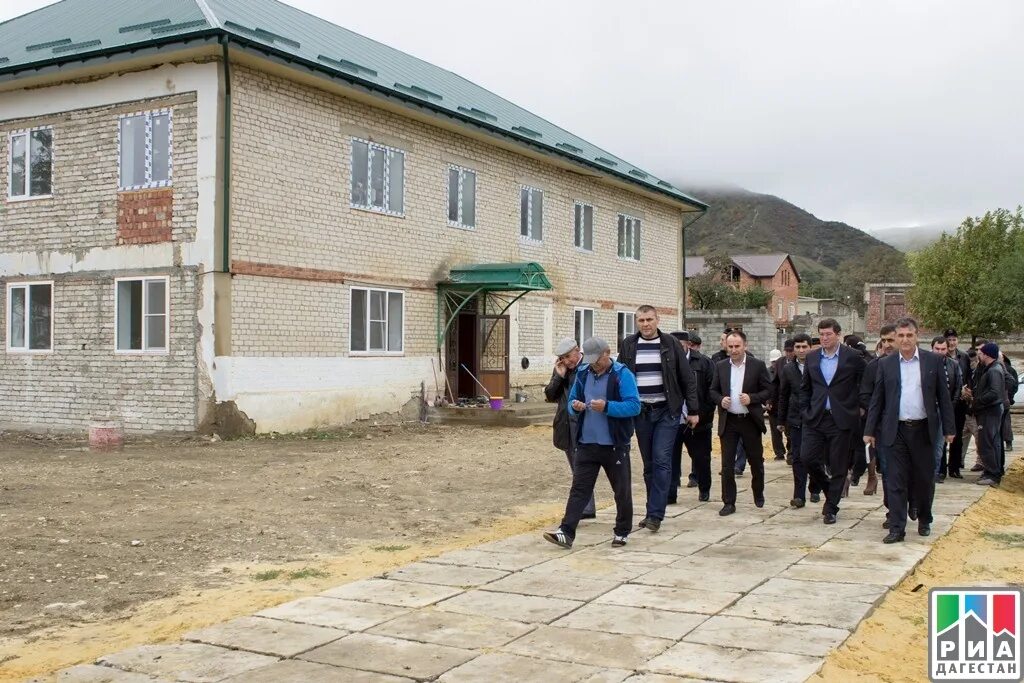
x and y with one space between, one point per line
105 436
497 402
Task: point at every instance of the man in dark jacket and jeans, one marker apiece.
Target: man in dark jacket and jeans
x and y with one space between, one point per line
988 401
665 383
557 391
696 439
605 397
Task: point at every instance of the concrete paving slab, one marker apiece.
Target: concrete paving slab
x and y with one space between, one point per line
662 678
189 662
637 621
629 554
501 667
822 572
445 574
566 586
390 656
896 552
795 610
823 590
734 665
608 676
672 599
615 567
779 558
90 673
297 671
698 573
588 647
348 615
863 560
680 545
388 592
763 539
531 609
510 561
468 631
265 636
755 634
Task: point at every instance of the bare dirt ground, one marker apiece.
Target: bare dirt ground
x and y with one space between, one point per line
102 550
985 547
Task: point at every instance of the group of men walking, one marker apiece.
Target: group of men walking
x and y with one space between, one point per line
825 401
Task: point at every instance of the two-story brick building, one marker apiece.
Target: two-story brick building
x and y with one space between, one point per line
774 272
216 208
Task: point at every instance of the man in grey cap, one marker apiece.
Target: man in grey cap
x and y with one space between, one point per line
563 376
606 399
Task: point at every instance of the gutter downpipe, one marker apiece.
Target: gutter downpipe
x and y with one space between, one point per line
682 266
226 188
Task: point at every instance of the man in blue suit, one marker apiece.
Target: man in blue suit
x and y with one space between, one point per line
910 404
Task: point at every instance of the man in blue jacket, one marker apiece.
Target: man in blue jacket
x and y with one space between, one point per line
606 399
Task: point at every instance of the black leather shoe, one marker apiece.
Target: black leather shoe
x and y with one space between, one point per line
797 502
924 529
691 483
592 515
912 513
759 502
672 501
726 510
893 537
704 497
815 497
955 474
828 518
885 524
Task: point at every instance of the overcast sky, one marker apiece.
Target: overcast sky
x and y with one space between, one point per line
876 113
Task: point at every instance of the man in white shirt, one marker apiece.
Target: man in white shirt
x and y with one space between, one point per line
910 404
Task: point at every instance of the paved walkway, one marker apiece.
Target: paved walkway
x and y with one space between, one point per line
763 594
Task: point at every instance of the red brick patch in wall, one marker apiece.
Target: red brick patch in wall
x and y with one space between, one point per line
144 216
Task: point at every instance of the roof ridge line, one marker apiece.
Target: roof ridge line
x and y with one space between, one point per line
208 13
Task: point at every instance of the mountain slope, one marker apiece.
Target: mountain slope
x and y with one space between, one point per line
739 221
912 239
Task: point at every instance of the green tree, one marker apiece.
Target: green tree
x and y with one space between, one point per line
710 289
973 280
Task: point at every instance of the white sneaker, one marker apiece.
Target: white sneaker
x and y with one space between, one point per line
618 541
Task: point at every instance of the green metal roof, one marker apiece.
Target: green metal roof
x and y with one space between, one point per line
498 277
75 30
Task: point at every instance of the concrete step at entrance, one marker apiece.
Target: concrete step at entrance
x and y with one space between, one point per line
512 415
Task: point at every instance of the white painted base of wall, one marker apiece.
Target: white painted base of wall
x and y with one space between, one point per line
289 394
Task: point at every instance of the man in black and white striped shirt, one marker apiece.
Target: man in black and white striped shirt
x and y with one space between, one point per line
666 384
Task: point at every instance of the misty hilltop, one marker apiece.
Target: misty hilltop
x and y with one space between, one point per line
740 221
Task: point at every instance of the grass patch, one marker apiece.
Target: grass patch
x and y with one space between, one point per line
268 575
390 548
1014 540
308 573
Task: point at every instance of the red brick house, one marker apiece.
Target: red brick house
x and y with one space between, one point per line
775 272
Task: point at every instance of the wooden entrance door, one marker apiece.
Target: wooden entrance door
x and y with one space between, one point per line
492 355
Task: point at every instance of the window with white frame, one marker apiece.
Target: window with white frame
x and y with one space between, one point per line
583 232
30 316
627 325
531 213
792 310
583 324
377 321
145 148
378 177
461 197
141 314
30 167
629 237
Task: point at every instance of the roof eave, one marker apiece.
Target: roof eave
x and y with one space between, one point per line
213 34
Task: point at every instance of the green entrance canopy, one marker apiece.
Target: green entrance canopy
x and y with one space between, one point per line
500 283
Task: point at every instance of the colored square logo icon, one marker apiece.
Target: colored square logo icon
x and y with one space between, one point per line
974 634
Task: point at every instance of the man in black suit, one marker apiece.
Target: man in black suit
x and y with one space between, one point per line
740 388
697 439
956 449
909 405
831 413
790 384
